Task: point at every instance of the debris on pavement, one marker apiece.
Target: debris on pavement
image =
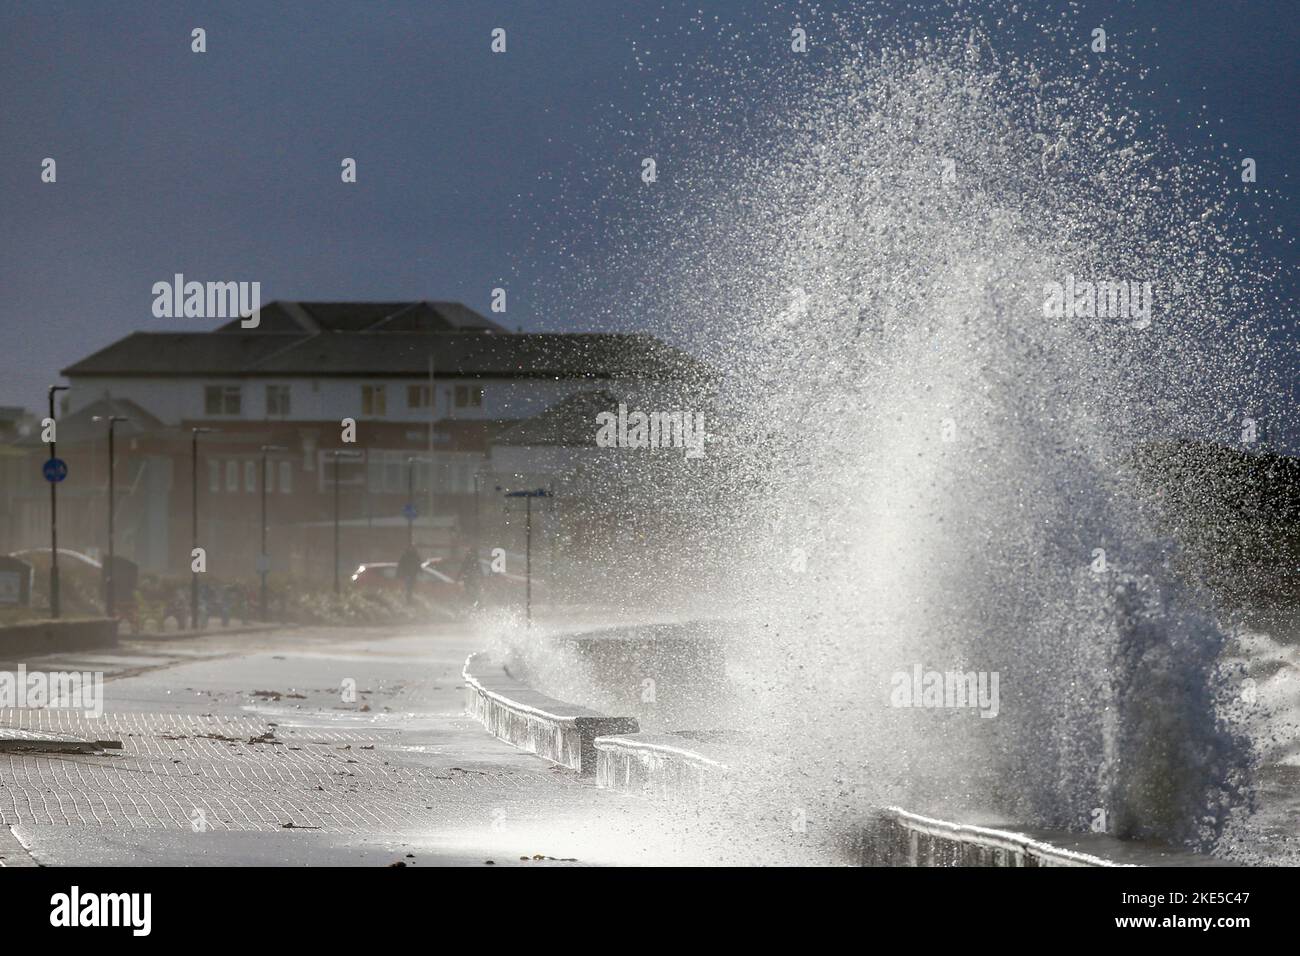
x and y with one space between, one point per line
13 740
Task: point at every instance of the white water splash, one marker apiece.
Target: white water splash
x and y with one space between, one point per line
864 256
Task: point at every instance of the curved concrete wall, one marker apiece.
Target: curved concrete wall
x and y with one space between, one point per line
534 722
900 838
660 765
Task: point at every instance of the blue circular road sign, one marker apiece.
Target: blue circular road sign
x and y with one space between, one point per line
410 512
55 469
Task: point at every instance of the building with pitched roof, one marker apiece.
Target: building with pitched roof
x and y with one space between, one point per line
433 381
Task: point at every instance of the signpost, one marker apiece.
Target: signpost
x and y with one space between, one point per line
55 470
409 510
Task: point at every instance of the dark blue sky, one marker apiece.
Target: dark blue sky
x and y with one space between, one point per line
226 165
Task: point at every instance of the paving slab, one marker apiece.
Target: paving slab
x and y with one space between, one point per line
308 748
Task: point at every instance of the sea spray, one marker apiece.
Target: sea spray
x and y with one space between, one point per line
926 466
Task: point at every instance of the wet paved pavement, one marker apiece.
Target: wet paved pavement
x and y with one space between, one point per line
249 749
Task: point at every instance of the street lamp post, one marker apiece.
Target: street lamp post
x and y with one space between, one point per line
337 455
263 559
433 418
54 513
478 514
194 521
528 497
110 582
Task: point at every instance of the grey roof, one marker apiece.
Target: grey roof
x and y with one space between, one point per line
522 355
385 353
312 317
184 353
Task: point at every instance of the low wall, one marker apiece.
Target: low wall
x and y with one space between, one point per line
32 638
685 766
531 721
666 766
898 837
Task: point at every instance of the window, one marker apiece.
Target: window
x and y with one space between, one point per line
469 396
232 475
221 399
395 472
250 476
419 396
374 401
348 472
277 400
269 477
214 475
286 477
